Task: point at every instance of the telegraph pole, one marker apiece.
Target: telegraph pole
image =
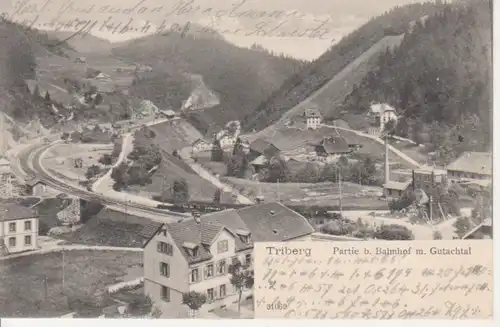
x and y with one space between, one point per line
339 170
63 269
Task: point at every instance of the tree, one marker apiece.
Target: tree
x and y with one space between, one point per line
194 301
437 235
47 97
242 277
217 196
217 152
64 136
393 232
389 127
143 306
180 191
92 171
277 170
462 226
238 147
106 159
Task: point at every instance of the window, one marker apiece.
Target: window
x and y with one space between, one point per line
245 239
210 294
27 225
194 252
165 294
27 240
222 291
221 267
164 269
12 227
193 276
12 241
166 248
248 259
234 260
222 246
209 270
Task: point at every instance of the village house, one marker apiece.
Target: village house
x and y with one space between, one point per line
201 145
331 148
36 187
261 147
313 117
80 60
394 190
18 229
227 141
194 255
170 114
471 166
381 113
425 178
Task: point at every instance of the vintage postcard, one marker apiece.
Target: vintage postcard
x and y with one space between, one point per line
228 159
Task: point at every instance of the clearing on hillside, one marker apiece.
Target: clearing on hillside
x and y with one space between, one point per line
329 97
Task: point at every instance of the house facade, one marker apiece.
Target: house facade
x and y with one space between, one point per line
428 177
394 190
227 141
471 166
201 145
313 118
381 113
36 187
261 147
195 255
329 149
18 229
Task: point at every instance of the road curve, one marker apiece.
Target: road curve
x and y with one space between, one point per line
29 160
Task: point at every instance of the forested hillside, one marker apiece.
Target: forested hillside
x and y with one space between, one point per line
19 48
241 77
301 85
439 79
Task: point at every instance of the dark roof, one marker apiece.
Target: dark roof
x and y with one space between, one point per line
274 222
263 147
335 144
199 234
150 229
312 113
33 181
13 211
268 222
473 162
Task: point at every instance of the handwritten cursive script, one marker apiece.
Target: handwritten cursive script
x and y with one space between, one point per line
361 284
183 17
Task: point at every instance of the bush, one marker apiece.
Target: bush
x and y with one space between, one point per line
339 227
394 232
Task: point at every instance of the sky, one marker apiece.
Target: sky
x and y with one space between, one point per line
302 29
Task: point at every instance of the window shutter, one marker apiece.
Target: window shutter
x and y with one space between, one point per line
168 270
158 246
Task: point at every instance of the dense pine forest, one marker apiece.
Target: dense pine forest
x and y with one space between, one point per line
439 79
303 84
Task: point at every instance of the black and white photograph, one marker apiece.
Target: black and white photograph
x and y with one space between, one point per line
147 146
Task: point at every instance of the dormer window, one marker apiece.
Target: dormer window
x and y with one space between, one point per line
192 248
244 235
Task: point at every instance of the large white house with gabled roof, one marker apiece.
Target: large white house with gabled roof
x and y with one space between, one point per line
194 255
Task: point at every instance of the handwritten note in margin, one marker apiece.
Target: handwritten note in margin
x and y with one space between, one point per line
374 280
